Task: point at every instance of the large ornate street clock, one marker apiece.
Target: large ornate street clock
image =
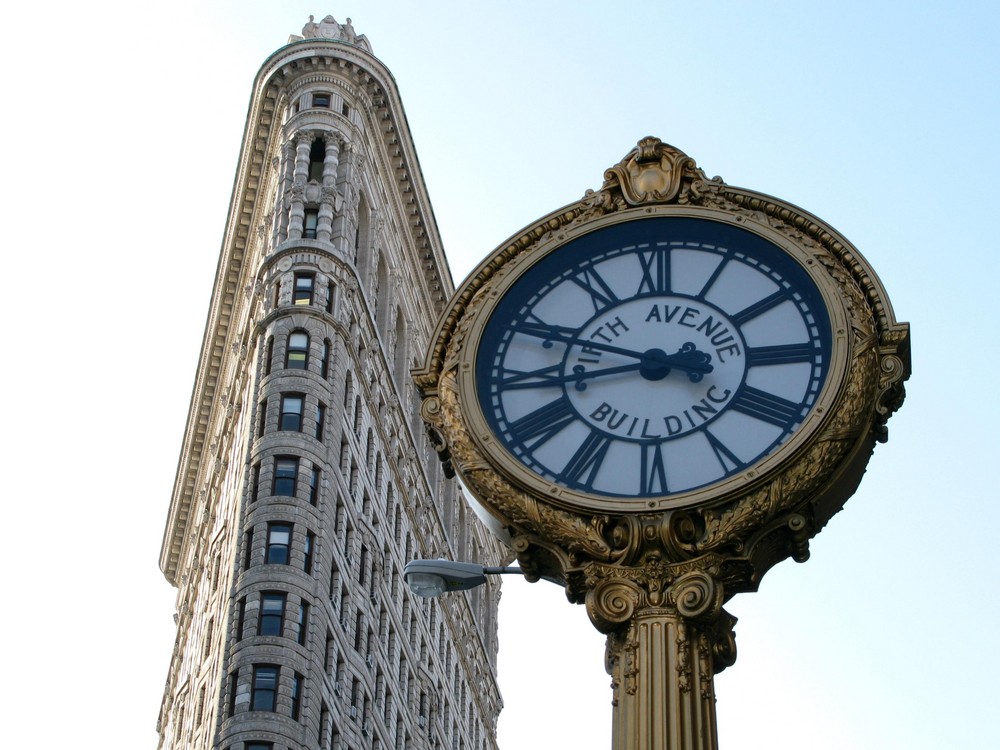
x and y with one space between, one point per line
657 393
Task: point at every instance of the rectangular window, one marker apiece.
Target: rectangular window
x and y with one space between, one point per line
314 478
232 692
297 353
301 624
279 540
272 613
320 419
324 365
265 688
310 223
254 482
296 695
302 294
307 557
247 548
321 99
286 474
262 418
241 615
290 419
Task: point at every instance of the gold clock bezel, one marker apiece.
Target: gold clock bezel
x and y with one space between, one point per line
495 453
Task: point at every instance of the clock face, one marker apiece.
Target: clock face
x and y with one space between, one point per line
652 358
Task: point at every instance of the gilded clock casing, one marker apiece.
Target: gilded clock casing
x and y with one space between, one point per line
730 385
768 508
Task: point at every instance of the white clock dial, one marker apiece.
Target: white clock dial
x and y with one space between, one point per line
653 357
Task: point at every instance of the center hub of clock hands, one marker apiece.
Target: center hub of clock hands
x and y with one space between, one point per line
655 364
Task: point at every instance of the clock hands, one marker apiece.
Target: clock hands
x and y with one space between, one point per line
654 364
578 376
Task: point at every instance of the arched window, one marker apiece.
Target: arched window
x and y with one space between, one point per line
297 352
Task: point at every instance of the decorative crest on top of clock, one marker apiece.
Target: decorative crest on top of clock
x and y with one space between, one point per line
653 172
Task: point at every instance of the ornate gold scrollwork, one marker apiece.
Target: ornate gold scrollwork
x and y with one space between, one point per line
611 603
678 557
696 595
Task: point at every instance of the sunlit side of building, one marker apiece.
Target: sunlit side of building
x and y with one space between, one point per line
306 480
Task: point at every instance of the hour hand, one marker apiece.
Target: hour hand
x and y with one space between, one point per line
551 377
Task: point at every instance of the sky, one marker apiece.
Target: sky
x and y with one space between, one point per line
122 125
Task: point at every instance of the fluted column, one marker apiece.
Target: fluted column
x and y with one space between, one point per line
667 638
281 203
327 206
344 221
296 211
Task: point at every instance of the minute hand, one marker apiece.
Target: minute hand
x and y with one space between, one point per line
682 360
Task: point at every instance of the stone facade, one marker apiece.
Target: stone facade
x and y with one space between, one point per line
306 480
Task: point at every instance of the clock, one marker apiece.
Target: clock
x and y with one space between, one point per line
650 359
659 391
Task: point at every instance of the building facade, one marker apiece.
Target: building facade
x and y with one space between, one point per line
306 480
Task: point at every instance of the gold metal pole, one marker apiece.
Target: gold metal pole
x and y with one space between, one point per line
665 645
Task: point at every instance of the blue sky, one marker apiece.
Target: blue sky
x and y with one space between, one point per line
123 124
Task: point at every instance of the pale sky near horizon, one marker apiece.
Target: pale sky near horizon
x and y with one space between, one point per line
123 125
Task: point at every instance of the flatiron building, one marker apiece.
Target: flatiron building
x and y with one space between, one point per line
306 480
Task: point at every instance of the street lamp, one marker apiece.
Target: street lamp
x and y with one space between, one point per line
435 577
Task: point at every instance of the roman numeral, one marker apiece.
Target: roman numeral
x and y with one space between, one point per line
655 271
542 424
595 285
586 462
653 477
726 457
759 307
540 378
781 354
767 407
